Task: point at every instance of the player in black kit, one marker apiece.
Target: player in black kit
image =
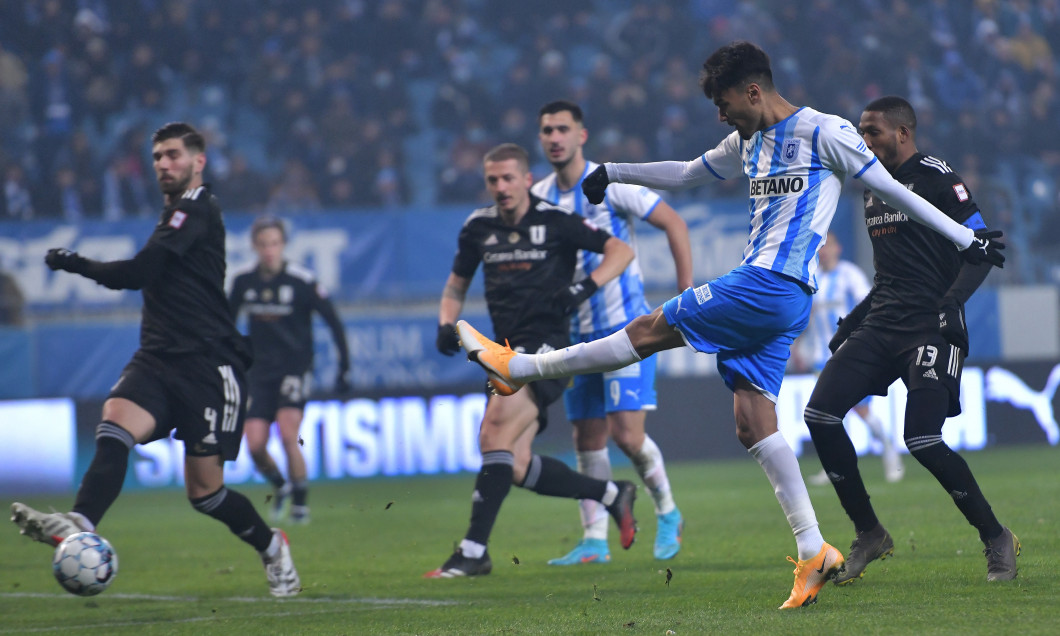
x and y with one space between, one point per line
188 373
280 299
528 249
910 326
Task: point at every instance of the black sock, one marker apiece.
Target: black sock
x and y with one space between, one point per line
299 493
273 476
953 473
235 511
102 483
840 461
925 414
549 476
491 487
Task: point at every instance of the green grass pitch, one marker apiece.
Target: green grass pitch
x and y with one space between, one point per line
362 558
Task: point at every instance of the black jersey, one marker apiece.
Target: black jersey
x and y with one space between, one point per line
280 312
525 265
915 265
185 309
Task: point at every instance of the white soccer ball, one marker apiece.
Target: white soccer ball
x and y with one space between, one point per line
85 564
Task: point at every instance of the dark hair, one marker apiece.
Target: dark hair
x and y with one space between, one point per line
735 65
193 139
507 151
897 111
267 222
559 106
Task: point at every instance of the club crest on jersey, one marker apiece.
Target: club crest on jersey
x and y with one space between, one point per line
537 234
286 294
791 150
513 237
177 219
961 192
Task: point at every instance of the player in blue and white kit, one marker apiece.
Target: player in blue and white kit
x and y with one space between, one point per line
841 285
614 402
796 160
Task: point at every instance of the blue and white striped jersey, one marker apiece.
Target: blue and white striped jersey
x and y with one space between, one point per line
796 170
838 291
622 299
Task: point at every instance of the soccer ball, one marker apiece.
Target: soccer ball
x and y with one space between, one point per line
85 564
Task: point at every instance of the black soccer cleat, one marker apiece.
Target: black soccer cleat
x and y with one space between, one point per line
621 510
460 565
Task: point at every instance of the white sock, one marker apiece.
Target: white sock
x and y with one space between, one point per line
649 464
82 521
606 354
595 464
274 546
611 494
782 468
472 550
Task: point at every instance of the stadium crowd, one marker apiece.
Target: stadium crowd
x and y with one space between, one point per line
383 103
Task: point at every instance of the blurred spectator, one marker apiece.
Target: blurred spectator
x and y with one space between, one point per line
16 202
956 85
295 192
243 189
12 302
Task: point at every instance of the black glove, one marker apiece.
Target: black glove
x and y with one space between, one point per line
952 326
845 327
985 248
595 184
64 259
447 342
568 298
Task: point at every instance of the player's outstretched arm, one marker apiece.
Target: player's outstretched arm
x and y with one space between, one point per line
975 246
135 273
665 175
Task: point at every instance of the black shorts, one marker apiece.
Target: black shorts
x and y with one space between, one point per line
545 391
872 359
202 396
271 393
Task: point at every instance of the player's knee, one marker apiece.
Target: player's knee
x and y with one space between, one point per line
629 440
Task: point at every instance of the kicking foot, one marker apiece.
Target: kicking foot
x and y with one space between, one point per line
490 356
46 527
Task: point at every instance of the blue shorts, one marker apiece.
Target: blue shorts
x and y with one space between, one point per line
749 317
595 395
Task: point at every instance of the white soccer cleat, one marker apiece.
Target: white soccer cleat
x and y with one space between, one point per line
46 527
283 578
